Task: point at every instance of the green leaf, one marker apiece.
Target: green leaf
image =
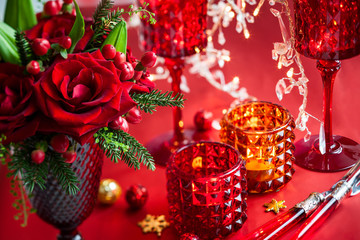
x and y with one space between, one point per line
63 53
8 50
78 29
20 14
118 37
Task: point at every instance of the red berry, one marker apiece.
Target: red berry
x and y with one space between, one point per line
69 156
148 60
38 156
119 58
59 143
127 71
133 116
65 42
203 120
108 51
51 8
40 46
120 123
33 67
68 1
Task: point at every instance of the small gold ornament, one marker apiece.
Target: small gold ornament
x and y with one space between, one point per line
153 223
275 206
109 191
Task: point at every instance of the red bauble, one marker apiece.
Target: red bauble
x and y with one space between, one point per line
136 196
133 116
33 67
65 42
189 236
127 71
59 143
38 156
120 123
148 60
69 156
40 46
203 120
51 8
108 51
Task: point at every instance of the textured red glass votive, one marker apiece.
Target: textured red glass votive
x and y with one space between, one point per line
263 134
179 30
327 29
207 190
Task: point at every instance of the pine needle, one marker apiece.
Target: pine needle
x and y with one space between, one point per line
119 145
149 101
24 48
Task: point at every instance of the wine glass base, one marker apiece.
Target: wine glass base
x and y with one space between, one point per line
344 154
163 146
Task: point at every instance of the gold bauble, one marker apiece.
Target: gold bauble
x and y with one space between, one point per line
109 191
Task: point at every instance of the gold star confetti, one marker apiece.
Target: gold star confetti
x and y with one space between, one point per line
153 223
274 206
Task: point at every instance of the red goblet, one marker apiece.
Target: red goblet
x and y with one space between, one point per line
178 32
329 31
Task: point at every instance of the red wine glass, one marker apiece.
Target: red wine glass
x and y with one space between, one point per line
329 31
178 32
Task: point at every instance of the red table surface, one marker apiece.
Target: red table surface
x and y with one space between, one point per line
251 61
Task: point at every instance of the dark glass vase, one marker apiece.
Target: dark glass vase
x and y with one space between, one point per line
66 212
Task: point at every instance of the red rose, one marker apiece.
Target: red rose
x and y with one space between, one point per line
17 106
56 27
81 94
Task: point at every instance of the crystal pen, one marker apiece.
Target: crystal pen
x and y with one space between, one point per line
347 186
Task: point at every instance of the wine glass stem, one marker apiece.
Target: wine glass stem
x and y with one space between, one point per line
175 66
328 70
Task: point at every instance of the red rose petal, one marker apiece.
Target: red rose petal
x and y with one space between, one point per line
97 55
70 68
64 87
57 112
81 93
6 106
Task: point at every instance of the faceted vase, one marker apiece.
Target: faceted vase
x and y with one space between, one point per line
66 212
207 190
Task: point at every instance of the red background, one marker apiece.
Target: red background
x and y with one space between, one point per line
251 62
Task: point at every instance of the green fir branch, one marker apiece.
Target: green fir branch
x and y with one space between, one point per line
101 12
119 145
105 20
149 101
33 174
21 165
23 47
63 173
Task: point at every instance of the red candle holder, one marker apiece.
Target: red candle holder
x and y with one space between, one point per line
263 133
328 31
178 32
207 190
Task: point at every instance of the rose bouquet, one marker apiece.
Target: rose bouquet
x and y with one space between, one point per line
66 80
